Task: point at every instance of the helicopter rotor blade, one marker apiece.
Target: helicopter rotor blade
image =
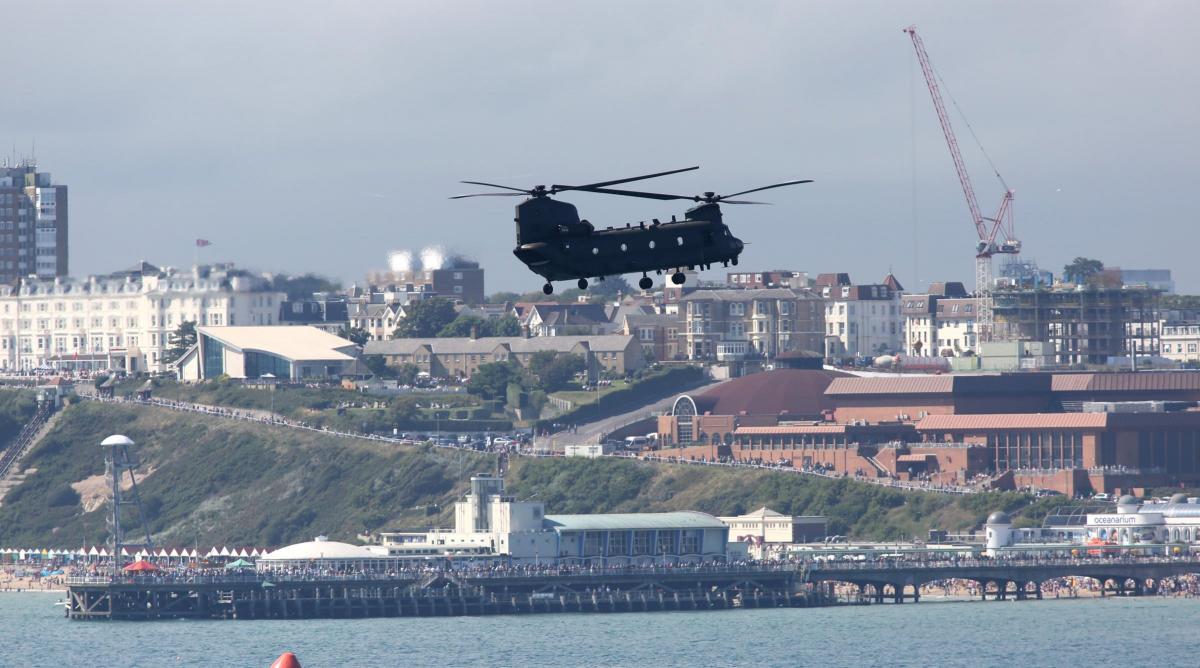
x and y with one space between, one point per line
488 195
601 184
496 185
741 201
631 193
775 185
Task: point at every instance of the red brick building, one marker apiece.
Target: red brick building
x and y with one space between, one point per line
1073 433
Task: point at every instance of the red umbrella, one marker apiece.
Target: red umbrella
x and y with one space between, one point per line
140 566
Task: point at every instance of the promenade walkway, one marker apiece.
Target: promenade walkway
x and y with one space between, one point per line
271 419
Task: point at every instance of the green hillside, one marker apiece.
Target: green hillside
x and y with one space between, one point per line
855 509
16 407
207 480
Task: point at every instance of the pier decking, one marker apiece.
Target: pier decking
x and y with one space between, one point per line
263 596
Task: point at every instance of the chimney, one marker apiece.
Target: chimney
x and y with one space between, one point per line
474 332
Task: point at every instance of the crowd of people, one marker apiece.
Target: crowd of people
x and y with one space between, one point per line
496 445
825 471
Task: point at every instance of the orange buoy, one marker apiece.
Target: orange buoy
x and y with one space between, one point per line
286 660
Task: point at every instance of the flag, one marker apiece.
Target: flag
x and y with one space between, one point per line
201 243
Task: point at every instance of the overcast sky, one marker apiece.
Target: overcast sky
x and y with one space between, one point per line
315 136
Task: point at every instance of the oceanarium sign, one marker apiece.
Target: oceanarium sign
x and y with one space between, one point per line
1140 519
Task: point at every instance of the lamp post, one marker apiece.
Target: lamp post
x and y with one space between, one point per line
271 376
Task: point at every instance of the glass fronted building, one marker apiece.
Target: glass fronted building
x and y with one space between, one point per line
287 353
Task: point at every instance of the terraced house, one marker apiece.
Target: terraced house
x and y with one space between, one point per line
460 357
124 320
731 325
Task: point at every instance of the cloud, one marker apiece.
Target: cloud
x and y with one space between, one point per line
307 137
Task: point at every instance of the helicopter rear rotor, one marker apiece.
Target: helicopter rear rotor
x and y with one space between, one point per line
542 191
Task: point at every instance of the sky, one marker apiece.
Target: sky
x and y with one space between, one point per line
315 136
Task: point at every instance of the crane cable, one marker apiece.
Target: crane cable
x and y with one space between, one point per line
970 129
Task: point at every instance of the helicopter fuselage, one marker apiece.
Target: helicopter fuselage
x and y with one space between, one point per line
554 243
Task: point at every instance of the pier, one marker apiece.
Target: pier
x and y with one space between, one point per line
439 593
900 580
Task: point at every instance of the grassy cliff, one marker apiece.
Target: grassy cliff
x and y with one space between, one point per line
207 480
16 407
855 509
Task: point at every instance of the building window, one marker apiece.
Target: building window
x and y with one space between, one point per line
641 542
214 357
258 364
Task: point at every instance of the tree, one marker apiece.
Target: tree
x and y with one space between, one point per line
356 335
503 297
561 372
506 326
181 340
379 366
491 380
465 325
540 361
424 319
402 411
611 286
406 374
1081 269
303 286
553 371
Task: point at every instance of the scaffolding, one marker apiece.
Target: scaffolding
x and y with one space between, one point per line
1083 326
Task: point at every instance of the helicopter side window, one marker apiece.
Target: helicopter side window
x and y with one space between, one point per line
595 251
652 243
624 248
679 241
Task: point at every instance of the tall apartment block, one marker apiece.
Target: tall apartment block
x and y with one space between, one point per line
33 224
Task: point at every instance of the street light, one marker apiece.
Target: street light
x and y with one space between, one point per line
271 376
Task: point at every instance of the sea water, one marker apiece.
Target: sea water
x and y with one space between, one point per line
1025 634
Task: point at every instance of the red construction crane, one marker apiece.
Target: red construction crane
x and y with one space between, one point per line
988 229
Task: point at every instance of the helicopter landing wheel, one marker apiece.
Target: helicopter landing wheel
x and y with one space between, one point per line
582 284
678 278
646 283
547 288
734 261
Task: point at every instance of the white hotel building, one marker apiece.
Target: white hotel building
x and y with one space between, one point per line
123 320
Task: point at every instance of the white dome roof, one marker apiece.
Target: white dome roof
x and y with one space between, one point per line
320 549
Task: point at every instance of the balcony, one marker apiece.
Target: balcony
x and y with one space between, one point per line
732 351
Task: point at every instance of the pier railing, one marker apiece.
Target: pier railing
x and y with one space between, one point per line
279 577
948 564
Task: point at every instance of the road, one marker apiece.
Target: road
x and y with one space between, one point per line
590 432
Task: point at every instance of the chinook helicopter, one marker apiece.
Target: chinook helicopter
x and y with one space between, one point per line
554 243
